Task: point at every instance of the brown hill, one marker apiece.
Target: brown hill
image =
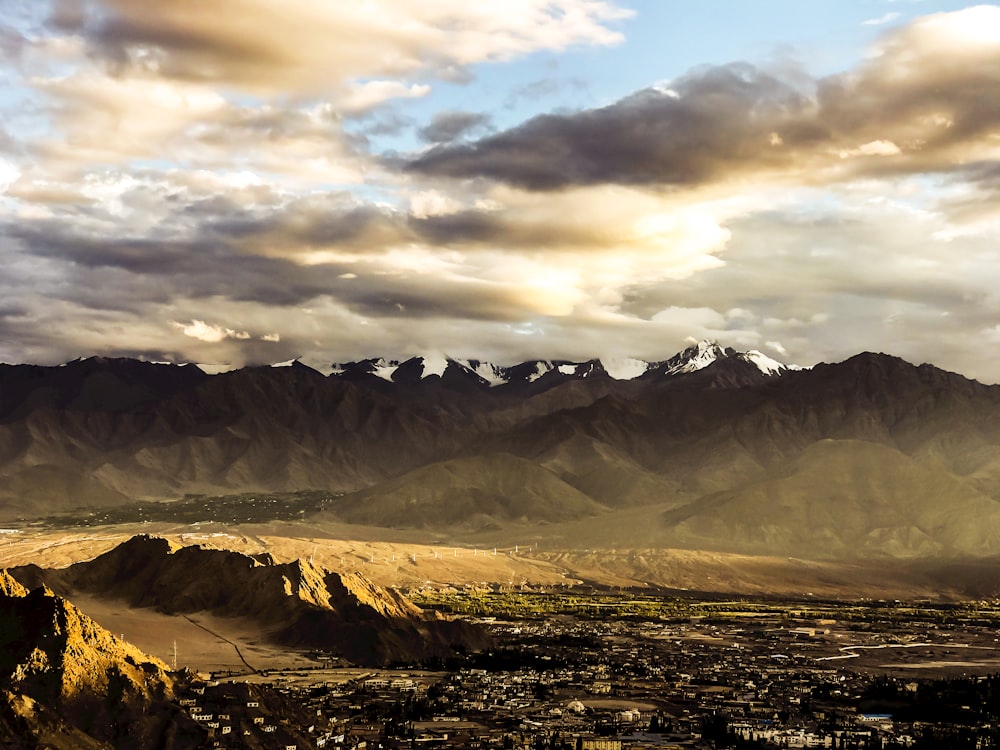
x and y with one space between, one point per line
295 604
67 682
849 498
473 493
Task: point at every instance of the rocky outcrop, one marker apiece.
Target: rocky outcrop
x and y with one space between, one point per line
67 682
297 604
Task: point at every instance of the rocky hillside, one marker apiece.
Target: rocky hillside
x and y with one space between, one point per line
295 604
67 682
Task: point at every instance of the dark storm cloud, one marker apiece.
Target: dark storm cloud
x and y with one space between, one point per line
194 268
316 223
221 262
366 229
449 126
707 123
508 230
418 297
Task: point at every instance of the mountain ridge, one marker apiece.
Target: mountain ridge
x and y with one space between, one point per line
483 373
295 604
448 453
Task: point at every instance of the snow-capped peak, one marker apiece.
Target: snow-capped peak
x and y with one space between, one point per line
434 364
764 363
695 357
540 369
492 374
624 368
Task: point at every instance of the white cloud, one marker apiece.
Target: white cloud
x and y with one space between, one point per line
882 20
9 172
878 148
369 94
777 346
424 203
212 334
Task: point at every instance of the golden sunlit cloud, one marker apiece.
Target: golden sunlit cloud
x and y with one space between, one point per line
272 46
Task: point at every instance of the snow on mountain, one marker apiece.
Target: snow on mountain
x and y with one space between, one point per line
704 353
624 368
434 364
540 369
492 374
384 368
695 357
764 363
380 368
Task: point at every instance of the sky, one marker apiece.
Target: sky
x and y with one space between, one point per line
252 181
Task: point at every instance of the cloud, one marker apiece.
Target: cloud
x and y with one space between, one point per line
848 274
281 46
882 20
258 261
199 329
268 83
874 148
365 96
704 127
924 99
449 126
107 121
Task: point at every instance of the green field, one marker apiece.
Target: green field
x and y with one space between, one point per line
652 606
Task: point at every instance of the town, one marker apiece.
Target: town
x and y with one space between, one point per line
744 675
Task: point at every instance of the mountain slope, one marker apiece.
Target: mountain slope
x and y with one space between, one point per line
475 493
67 682
849 498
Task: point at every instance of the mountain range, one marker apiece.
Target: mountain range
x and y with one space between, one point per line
549 372
708 449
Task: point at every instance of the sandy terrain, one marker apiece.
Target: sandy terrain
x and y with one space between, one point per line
386 561
205 643
410 559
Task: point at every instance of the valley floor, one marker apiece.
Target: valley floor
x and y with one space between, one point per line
595 648
753 674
